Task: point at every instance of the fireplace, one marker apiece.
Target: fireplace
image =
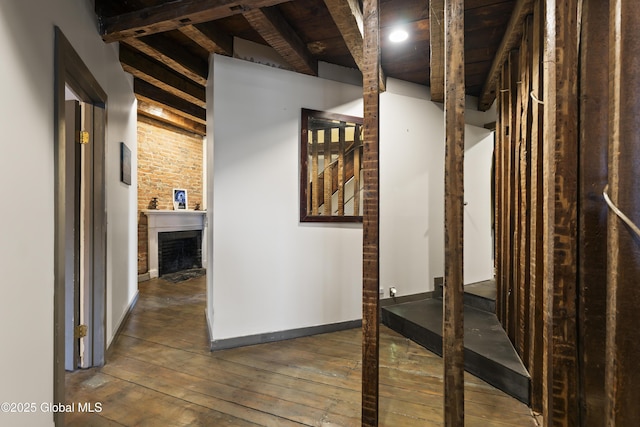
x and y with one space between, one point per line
187 229
179 250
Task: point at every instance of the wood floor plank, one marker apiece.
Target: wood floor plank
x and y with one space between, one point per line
160 372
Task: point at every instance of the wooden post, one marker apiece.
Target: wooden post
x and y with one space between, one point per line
436 44
502 299
592 233
536 248
516 111
623 299
560 404
511 76
525 189
453 313
497 200
370 220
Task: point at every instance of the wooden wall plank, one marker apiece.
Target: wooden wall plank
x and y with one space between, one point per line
560 404
592 233
516 116
497 204
535 247
525 188
436 50
453 313
370 220
504 213
623 300
512 78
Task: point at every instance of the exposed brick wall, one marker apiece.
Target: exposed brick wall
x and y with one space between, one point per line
167 158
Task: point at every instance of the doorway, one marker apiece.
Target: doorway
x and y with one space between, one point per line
83 162
80 218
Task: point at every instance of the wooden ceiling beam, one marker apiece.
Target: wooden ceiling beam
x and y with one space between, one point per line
173 15
147 92
436 41
209 38
169 117
511 40
145 68
276 31
173 55
347 16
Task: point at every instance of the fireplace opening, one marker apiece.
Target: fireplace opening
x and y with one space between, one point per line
179 250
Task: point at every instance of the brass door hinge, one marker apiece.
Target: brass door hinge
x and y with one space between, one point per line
84 137
80 331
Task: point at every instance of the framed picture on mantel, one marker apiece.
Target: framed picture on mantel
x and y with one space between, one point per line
179 199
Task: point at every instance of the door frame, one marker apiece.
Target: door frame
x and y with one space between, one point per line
69 69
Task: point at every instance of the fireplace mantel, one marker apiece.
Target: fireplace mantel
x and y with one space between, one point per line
160 221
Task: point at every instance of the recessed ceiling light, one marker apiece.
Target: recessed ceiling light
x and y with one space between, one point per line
398 35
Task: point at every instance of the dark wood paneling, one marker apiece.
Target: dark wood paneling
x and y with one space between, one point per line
592 213
535 247
561 406
512 85
623 299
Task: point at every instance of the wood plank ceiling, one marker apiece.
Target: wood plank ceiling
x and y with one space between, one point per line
165 44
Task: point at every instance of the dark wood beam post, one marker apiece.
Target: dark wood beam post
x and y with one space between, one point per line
526 55
535 213
453 322
436 44
623 335
370 219
592 233
560 400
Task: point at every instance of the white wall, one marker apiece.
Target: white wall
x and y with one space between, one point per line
267 274
412 154
272 273
26 221
478 241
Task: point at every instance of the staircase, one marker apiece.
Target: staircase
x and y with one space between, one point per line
488 353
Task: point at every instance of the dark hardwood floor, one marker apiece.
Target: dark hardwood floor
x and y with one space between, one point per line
160 372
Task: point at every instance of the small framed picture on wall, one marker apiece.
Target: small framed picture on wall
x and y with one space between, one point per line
125 164
179 199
